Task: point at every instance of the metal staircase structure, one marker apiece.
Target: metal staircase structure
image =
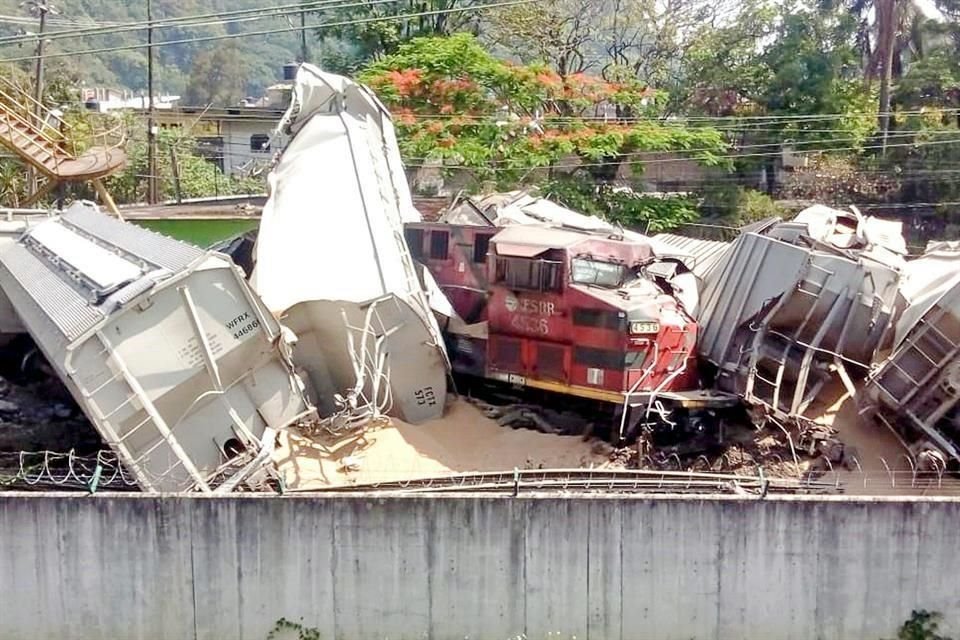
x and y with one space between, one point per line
48 144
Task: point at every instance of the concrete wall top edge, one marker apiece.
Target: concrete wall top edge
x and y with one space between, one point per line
529 496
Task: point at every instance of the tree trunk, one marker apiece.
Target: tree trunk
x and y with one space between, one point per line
886 43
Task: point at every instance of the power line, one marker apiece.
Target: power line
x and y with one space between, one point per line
345 23
771 119
720 153
205 19
678 159
152 190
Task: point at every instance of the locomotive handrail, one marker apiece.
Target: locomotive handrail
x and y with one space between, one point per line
643 376
670 378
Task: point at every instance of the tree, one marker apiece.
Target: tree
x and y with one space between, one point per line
375 29
456 105
649 39
559 33
887 29
789 63
216 78
811 68
198 177
658 43
723 66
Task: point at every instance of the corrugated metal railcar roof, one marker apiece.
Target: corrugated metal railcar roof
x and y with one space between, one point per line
147 245
702 256
62 272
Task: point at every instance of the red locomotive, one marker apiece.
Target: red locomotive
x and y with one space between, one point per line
590 315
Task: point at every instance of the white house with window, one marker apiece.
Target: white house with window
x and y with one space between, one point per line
239 140
248 143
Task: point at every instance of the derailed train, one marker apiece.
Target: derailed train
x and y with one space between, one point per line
674 333
590 314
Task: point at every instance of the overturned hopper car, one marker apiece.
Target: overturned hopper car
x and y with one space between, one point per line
582 314
165 348
916 390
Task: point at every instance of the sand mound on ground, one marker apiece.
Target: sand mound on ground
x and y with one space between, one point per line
463 440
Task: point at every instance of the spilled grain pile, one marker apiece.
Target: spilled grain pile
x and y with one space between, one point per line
464 440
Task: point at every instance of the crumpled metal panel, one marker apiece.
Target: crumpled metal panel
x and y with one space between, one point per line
182 373
701 256
756 270
917 389
778 315
926 279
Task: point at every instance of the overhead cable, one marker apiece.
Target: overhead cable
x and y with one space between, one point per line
343 23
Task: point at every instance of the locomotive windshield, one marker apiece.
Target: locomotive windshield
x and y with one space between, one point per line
599 273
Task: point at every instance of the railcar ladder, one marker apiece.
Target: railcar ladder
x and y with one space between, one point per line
134 396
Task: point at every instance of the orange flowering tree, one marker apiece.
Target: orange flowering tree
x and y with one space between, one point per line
457 106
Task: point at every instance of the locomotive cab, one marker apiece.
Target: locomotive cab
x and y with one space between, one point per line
577 313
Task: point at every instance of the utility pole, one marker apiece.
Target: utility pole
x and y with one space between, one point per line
304 53
152 195
42 8
175 166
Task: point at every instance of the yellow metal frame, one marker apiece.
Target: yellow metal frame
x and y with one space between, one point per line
576 390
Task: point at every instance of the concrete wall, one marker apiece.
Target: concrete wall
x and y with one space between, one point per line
486 568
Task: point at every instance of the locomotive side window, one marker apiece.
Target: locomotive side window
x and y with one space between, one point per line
531 274
481 245
439 245
598 273
601 318
415 242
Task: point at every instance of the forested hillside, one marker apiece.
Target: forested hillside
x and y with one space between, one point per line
246 65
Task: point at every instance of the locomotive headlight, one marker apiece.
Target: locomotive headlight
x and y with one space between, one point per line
645 327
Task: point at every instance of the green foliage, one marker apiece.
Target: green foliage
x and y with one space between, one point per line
812 68
284 629
13 183
216 77
198 177
622 206
458 106
554 33
922 625
722 65
737 206
372 29
922 144
932 81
